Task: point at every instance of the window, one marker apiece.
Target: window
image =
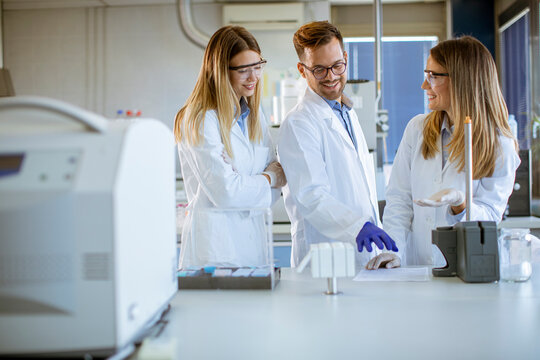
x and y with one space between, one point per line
515 66
403 63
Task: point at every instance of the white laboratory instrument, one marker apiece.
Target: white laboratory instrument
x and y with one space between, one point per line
290 90
330 260
362 95
87 219
289 95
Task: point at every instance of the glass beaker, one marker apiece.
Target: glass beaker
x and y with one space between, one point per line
515 254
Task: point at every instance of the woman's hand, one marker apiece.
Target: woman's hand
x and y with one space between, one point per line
276 174
228 159
452 197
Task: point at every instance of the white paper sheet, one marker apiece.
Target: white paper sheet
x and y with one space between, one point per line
396 274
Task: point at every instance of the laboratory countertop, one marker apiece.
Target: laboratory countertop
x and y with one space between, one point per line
443 318
529 222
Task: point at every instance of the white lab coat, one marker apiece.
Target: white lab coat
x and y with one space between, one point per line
330 192
225 238
414 177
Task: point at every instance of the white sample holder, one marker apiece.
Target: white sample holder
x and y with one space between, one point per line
330 260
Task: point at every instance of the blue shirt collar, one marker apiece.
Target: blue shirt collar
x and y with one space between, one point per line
244 112
445 126
244 108
345 101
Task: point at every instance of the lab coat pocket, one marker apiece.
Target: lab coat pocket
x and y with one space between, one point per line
211 238
260 159
228 238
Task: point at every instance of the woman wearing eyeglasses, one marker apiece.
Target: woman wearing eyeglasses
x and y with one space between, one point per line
226 155
427 183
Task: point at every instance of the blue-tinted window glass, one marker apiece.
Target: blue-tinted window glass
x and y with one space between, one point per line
515 78
402 77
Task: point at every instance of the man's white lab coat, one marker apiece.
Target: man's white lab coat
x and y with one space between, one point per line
330 191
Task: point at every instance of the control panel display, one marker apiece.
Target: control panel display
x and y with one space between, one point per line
10 163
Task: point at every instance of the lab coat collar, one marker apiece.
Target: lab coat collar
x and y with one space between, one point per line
323 110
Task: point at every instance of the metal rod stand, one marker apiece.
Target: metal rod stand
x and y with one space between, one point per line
332 287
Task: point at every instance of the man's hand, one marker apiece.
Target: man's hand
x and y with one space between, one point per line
388 260
373 234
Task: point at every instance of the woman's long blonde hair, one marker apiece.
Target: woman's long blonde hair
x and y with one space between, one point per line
475 92
213 91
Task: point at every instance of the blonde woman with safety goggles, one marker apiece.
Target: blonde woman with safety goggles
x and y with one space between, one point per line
226 155
427 184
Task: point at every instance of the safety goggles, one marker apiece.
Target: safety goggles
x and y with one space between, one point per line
433 78
320 72
244 72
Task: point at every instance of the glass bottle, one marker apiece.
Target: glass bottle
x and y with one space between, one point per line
515 255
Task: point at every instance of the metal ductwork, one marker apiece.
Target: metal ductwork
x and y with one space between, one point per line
185 21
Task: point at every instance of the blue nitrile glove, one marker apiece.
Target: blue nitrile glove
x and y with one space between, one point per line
371 233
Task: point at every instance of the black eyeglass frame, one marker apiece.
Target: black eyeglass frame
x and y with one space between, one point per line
331 68
262 62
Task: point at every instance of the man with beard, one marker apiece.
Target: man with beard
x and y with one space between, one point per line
331 193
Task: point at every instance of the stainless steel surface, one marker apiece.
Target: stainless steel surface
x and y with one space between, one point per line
468 167
377 21
332 286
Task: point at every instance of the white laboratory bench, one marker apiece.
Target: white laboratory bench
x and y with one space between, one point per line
443 318
526 222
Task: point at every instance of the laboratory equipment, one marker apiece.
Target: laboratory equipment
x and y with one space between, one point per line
515 254
248 262
362 95
519 203
468 168
374 125
330 260
470 247
231 278
88 246
290 92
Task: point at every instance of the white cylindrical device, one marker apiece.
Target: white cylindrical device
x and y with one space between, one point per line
468 167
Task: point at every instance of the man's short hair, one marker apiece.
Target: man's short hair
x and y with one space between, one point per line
315 34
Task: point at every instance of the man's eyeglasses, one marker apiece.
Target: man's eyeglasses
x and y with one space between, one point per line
320 72
245 71
433 78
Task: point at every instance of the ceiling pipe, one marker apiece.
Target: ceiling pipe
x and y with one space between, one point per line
185 21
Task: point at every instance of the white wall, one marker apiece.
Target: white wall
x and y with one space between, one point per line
126 57
46 53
